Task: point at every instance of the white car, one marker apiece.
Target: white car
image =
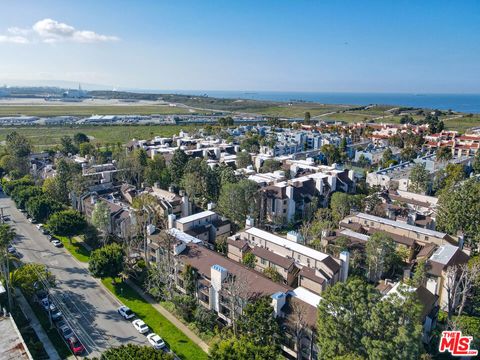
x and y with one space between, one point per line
126 312
57 243
140 326
39 226
156 341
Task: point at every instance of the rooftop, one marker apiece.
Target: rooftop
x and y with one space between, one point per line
444 253
195 217
317 255
401 225
12 346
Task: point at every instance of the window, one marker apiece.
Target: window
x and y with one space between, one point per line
426 238
418 236
284 211
263 261
284 202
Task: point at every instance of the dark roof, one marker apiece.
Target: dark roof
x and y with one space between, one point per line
331 264
239 243
427 299
311 274
281 261
203 259
343 176
353 226
277 192
308 311
426 251
220 222
197 230
397 238
436 268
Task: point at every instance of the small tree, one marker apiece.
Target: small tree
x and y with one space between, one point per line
258 322
101 218
107 261
243 159
272 274
67 223
307 118
380 253
27 275
249 260
419 178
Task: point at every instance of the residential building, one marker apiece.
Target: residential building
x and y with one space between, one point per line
298 265
207 226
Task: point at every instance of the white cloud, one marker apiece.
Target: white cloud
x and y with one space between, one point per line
13 39
52 31
18 31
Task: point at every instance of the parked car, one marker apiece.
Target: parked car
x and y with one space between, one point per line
39 226
66 332
6 218
44 231
141 327
75 345
60 323
57 315
156 341
41 294
11 250
57 243
47 304
126 312
50 237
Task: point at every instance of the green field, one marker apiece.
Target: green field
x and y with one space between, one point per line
174 338
464 123
48 136
295 110
88 110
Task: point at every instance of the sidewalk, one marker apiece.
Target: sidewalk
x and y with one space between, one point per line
170 317
35 324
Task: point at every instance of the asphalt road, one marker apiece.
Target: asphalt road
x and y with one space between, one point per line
91 310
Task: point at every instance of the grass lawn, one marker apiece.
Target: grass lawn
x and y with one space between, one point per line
75 248
53 335
174 338
43 137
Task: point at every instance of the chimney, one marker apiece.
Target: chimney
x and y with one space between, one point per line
345 262
249 222
171 221
217 275
151 229
186 209
210 206
278 301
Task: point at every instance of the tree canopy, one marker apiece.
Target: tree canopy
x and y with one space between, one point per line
355 322
107 261
67 223
459 210
237 200
137 352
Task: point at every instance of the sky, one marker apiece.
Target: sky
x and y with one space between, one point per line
273 45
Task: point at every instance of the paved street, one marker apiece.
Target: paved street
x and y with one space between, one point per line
88 306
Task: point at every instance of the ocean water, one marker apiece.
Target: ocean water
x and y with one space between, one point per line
468 103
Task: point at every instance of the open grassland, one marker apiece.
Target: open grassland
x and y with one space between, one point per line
295 110
48 136
88 110
463 123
